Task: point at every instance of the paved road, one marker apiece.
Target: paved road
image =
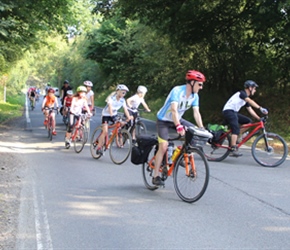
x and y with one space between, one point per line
72 201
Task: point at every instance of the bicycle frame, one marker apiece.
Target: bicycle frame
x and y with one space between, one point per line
109 139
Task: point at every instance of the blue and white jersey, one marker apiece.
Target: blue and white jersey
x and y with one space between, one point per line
177 95
115 104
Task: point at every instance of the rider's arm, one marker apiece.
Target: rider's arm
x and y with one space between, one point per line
87 107
174 112
145 105
56 102
129 101
129 117
92 101
197 116
43 103
253 113
252 103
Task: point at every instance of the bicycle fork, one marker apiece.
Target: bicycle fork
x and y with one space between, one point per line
190 169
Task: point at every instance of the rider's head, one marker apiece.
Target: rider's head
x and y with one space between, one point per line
122 90
250 87
195 79
88 84
69 92
81 90
66 82
142 90
50 91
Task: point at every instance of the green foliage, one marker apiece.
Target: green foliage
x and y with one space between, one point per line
12 108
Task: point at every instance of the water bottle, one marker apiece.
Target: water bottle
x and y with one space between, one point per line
176 153
170 152
245 134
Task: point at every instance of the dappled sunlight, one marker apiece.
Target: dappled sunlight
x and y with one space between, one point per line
277 229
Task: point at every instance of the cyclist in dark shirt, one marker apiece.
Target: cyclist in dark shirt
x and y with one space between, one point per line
64 90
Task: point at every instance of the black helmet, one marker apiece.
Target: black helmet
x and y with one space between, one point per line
66 81
250 83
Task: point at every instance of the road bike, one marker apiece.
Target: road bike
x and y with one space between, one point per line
138 125
118 142
188 166
268 149
49 125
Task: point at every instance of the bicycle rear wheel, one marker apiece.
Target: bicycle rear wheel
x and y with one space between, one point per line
94 142
140 128
49 128
272 155
79 139
120 147
147 171
190 188
217 151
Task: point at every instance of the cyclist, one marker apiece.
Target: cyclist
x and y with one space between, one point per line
180 99
115 101
79 101
133 103
50 100
90 95
32 95
234 119
67 102
64 90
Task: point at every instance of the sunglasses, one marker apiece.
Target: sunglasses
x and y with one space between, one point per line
200 84
123 93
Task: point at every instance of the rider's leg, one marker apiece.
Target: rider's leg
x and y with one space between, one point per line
102 136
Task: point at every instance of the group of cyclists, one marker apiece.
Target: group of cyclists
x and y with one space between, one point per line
180 99
33 95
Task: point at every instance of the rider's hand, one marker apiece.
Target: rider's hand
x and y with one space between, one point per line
264 111
180 129
114 118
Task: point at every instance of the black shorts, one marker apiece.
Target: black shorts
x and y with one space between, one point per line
164 126
107 119
234 119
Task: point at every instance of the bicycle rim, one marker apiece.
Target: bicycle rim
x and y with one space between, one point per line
79 141
214 152
190 188
147 172
120 147
140 128
273 155
94 142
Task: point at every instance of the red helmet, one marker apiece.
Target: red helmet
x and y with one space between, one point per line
195 75
51 90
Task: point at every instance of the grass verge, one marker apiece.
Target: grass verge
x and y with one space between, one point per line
12 108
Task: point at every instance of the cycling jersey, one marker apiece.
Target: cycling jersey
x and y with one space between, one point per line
115 104
237 101
68 101
177 95
89 95
135 101
49 101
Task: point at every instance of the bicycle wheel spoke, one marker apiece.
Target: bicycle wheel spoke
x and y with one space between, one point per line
94 142
217 151
191 187
147 172
120 147
269 151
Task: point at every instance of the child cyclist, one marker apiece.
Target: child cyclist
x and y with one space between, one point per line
49 101
67 102
115 101
79 101
133 103
90 95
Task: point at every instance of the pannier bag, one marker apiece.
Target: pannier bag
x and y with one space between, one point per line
140 153
217 131
197 137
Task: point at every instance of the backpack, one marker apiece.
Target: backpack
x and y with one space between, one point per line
140 152
217 131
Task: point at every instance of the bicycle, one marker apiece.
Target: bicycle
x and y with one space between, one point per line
188 166
137 125
79 134
32 103
65 118
119 142
50 122
268 149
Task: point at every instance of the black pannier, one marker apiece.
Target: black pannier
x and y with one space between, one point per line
140 152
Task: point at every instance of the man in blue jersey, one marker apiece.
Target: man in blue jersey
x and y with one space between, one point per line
180 99
234 119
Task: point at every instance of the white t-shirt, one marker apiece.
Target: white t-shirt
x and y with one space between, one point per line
77 105
135 101
237 101
115 104
88 95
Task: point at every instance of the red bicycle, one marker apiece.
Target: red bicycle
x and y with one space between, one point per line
50 121
268 149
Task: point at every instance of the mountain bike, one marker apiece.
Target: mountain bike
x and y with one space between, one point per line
188 166
49 126
118 142
268 149
137 125
79 135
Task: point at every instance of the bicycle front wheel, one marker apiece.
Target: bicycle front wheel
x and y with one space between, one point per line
147 171
217 151
79 141
49 128
269 150
94 142
191 186
120 147
140 128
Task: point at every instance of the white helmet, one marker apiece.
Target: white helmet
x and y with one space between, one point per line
142 89
88 83
69 92
122 87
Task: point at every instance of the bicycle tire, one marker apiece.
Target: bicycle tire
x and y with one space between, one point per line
147 172
49 128
275 155
94 142
120 147
79 141
191 188
140 128
87 130
213 152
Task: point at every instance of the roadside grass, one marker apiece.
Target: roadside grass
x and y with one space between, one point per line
12 108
